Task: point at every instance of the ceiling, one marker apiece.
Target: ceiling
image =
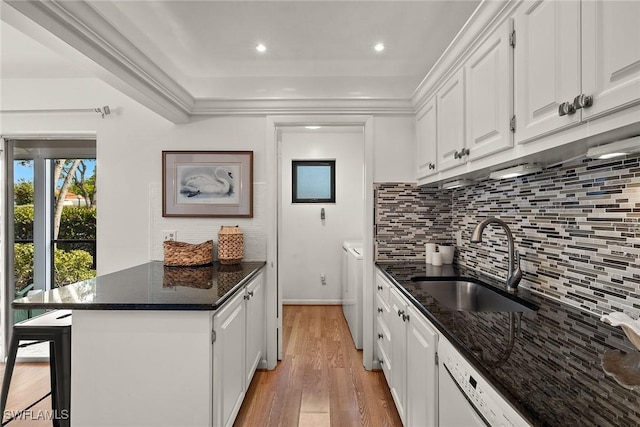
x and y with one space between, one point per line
199 50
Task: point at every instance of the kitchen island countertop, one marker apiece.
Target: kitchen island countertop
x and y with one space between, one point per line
552 370
150 286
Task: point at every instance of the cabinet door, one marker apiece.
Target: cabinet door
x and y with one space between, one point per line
610 54
256 322
547 65
229 359
427 139
398 328
422 383
489 96
450 121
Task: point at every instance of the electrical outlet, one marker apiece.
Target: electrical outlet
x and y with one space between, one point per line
323 279
168 235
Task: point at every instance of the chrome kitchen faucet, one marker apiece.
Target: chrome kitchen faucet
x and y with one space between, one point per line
514 273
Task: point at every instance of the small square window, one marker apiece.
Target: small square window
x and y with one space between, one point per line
314 181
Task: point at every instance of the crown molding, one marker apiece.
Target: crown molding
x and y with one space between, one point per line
79 25
481 23
217 107
125 67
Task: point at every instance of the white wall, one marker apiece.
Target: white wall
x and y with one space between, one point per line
129 146
394 154
307 245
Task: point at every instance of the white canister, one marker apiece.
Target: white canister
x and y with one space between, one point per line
447 253
429 249
436 259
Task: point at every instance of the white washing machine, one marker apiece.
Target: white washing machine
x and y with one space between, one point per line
352 270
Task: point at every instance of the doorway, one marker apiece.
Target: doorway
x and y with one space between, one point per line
50 221
274 291
320 206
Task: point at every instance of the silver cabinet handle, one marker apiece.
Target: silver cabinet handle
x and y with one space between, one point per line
380 310
582 101
400 313
566 108
246 297
457 155
431 166
380 336
379 287
465 152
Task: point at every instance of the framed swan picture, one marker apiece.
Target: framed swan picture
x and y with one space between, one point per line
207 183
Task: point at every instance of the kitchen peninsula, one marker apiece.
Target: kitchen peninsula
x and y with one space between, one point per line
160 346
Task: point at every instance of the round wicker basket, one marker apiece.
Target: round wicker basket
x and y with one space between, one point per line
230 245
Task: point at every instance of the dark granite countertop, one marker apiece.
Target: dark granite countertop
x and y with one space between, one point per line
552 370
150 286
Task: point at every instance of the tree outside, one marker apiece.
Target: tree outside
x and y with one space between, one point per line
74 226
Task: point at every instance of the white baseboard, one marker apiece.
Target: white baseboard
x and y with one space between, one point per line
312 302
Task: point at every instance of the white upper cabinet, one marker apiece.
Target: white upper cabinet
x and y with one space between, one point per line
547 65
610 54
489 99
574 61
450 122
427 136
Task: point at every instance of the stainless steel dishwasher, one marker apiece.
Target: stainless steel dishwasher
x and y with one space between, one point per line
465 398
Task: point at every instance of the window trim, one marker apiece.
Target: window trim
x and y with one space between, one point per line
294 180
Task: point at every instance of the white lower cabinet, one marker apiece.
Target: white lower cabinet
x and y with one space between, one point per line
229 360
422 375
239 331
407 344
256 320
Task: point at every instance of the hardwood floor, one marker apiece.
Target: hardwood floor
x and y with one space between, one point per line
29 384
320 381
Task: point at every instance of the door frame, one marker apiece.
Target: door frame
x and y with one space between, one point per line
6 234
274 291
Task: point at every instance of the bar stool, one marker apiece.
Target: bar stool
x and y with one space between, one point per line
55 327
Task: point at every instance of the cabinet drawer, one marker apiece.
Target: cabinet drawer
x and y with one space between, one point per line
383 335
383 287
384 363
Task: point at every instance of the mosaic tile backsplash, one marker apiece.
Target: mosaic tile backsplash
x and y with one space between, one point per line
576 225
406 217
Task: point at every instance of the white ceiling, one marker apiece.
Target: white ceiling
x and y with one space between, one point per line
315 49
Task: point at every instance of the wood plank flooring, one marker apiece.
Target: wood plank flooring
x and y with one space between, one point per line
29 384
320 381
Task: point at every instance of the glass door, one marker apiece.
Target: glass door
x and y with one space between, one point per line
50 228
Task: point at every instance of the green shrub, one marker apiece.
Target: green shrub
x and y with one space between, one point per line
75 223
23 262
72 266
23 222
23 192
69 266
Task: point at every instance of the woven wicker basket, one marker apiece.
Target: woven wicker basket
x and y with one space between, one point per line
230 245
181 254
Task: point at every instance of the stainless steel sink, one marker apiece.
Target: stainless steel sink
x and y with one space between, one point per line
464 295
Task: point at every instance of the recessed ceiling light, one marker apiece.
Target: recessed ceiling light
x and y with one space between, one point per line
515 171
261 48
379 47
312 127
615 149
